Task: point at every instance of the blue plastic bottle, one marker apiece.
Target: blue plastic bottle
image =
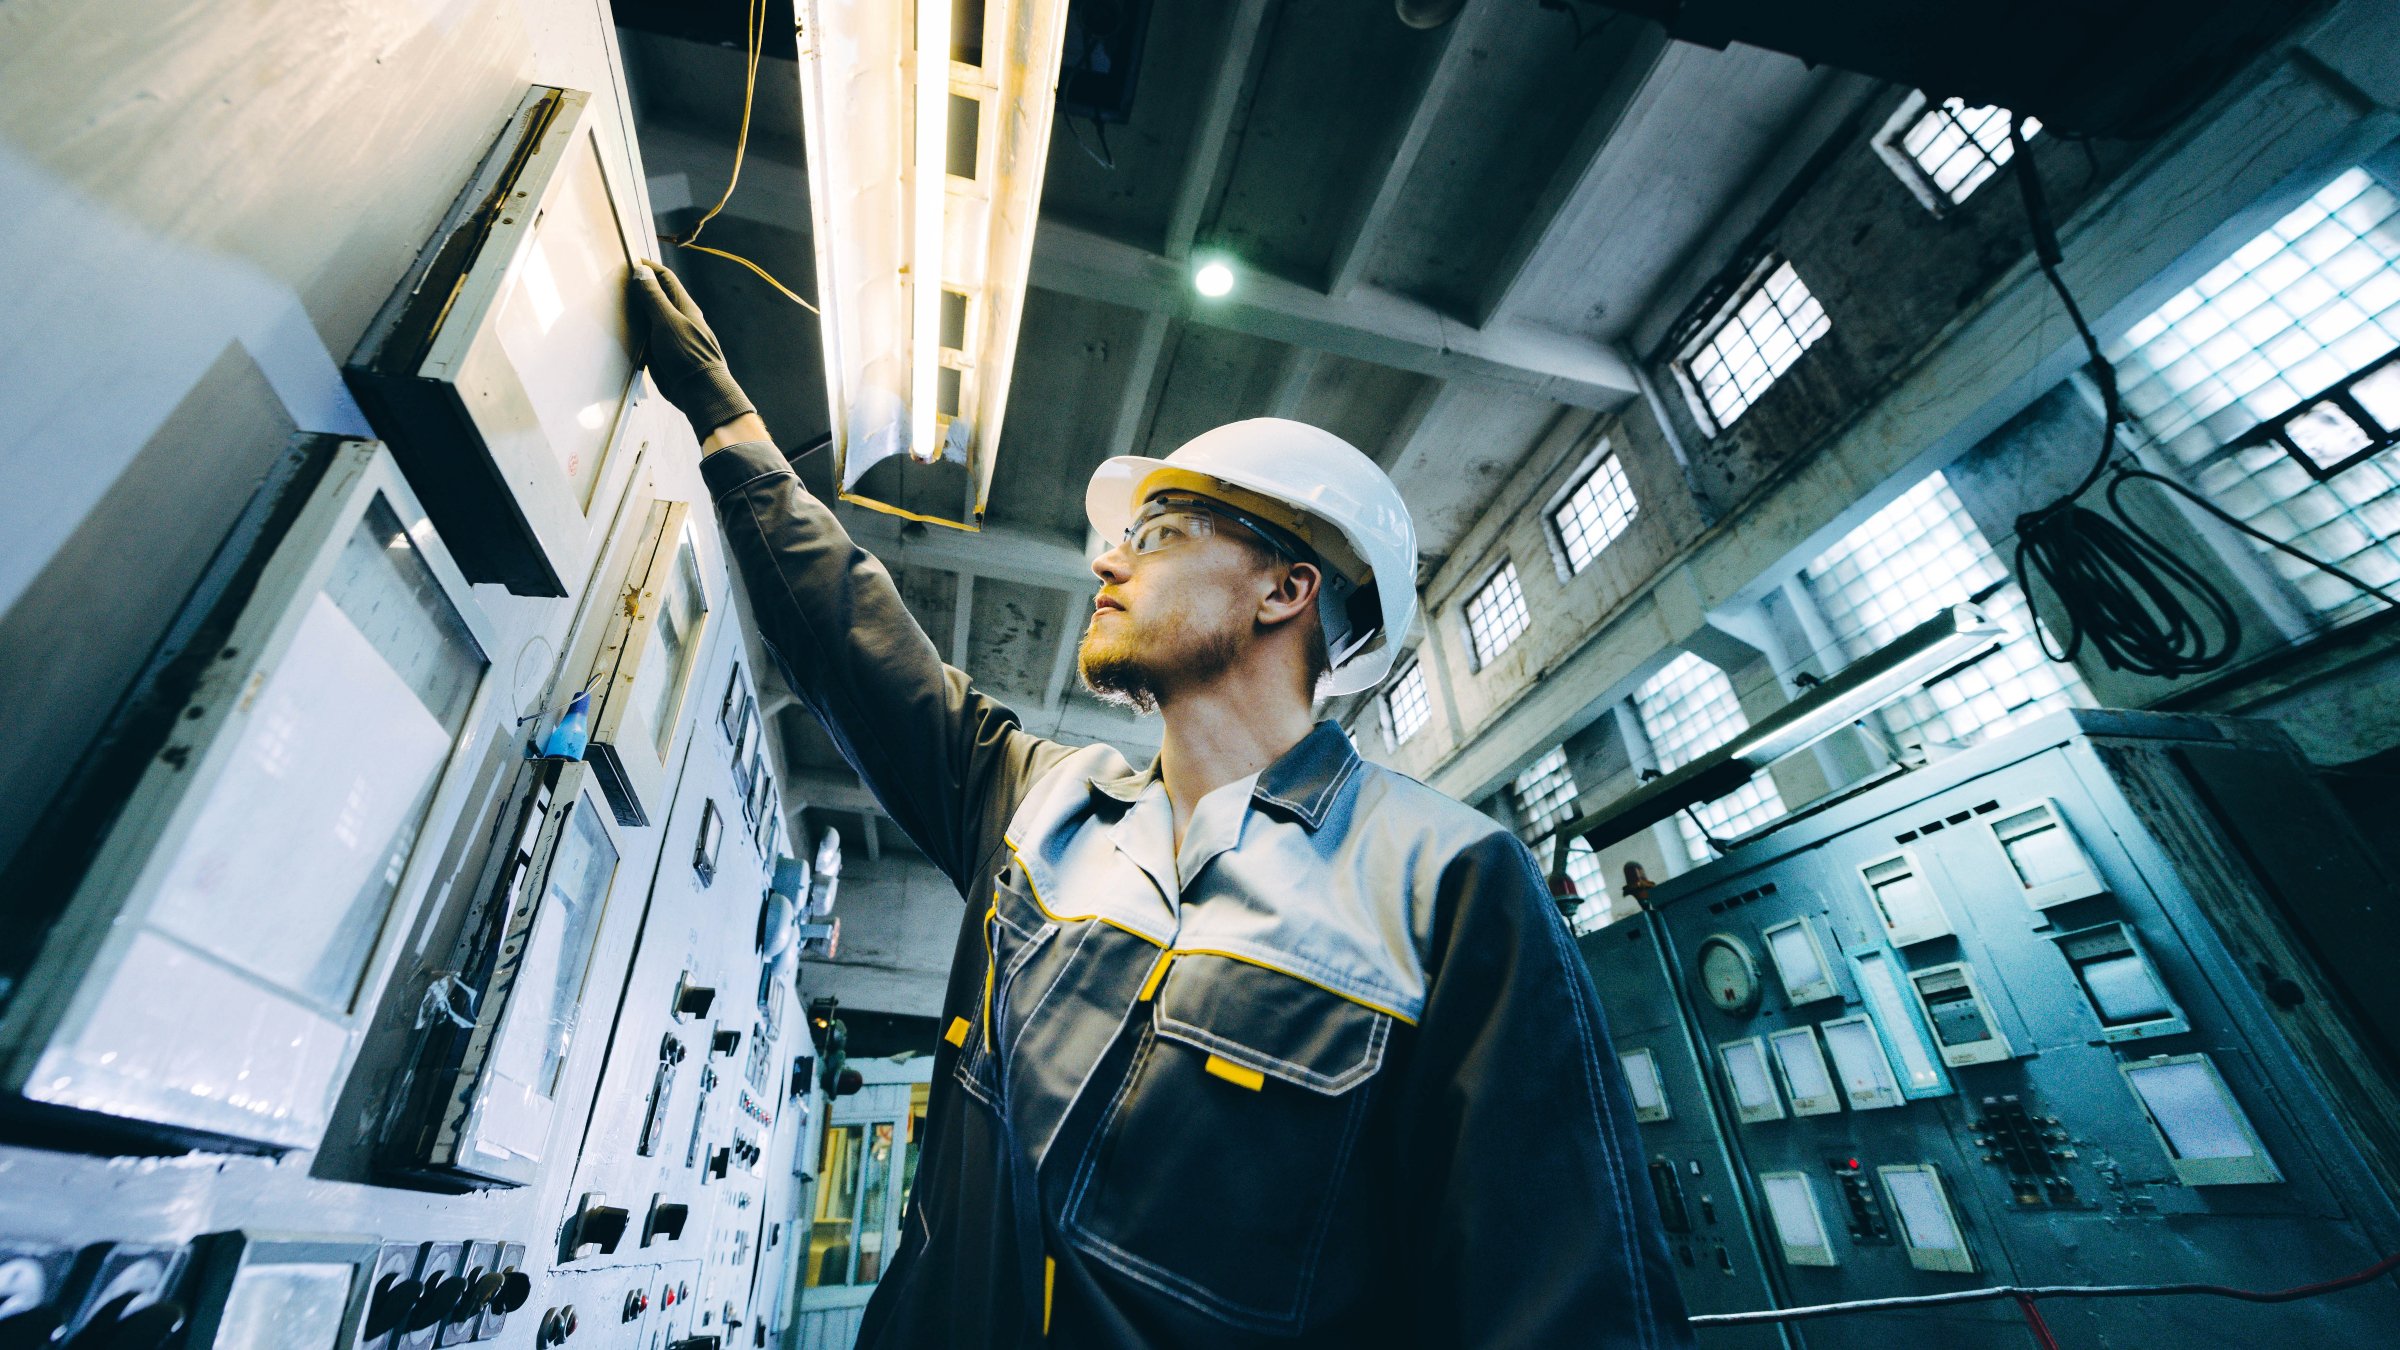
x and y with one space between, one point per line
573 732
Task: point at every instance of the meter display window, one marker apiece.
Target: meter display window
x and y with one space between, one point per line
667 660
1928 1226
2049 865
1804 1072
212 967
572 268
1754 1095
2207 1136
1879 981
1962 1021
1642 1081
248 1291
1904 901
1799 1229
348 738
558 955
1800 961
1858 1059
2124 989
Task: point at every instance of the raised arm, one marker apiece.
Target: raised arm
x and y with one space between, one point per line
948 763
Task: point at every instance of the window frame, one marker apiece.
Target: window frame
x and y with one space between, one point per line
1889 145
1477 658
1586 470
1411 667
1752 283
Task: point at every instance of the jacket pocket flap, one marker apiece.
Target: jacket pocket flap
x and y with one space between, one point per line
1277 1024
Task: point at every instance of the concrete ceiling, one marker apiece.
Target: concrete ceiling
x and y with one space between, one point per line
1445 239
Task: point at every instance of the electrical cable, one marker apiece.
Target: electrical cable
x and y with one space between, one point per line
2138 603
1103 156
756 36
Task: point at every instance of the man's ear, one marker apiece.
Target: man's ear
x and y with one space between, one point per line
1293 594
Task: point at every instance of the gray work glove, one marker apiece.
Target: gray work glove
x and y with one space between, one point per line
684 357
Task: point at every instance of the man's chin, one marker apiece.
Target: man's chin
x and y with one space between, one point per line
1117 677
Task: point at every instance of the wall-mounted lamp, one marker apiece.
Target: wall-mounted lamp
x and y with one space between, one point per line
1213 279
927 128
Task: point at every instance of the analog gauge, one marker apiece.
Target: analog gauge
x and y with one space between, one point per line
1729 974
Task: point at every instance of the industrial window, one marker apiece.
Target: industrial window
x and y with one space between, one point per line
1759 338
1544 794
1687 710
1947 150
2292 314
1496 615
1595 513
1406 706
1904 565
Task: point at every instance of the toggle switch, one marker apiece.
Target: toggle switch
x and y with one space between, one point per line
594 1224
725 1042
665 1221
693 1000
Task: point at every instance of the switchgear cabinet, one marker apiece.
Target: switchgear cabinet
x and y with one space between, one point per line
2054 1011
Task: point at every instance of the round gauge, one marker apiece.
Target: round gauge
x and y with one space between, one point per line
1728 973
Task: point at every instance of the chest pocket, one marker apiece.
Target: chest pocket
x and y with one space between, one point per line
1225 1160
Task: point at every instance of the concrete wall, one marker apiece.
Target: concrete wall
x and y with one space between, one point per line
899 918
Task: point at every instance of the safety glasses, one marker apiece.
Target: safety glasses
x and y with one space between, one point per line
1165 521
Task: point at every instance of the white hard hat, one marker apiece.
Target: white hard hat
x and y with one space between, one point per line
1333 497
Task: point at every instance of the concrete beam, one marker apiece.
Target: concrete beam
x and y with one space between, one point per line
962 620
1141 380
1206 161
1291 382
1356 247
1581 170
1370 325
1074 617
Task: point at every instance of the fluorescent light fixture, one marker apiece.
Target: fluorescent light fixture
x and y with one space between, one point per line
1214 279
927 129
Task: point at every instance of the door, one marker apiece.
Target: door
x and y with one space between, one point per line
866 1165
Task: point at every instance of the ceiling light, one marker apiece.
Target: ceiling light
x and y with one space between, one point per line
927 129
1213 279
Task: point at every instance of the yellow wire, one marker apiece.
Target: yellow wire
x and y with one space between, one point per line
757 34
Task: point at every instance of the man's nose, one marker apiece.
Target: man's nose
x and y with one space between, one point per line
1113 566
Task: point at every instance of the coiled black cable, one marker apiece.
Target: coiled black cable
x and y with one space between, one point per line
2119 588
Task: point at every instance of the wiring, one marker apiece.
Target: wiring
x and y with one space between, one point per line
2141 605
1102 156
756 40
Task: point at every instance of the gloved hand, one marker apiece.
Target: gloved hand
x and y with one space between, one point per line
684 357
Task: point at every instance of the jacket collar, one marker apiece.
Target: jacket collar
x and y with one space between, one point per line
1301 784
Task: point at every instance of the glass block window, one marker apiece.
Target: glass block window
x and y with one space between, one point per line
1952 147
1758 341
1544 794
1595 513
1592 902
2300 308
1900 568
1688 709
1406 705
1496 615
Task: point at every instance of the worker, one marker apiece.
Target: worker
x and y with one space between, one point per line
1261 1044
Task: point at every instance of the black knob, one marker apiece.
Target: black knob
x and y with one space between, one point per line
719 1161
480 1293
602 1224
725 1042
515 1287
436 1304
143 1328
694 1000
394 1295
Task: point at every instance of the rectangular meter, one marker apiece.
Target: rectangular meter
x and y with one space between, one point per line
264 1291
2120 983
500 368
1805 1076
1799 1226
1928 1225
1904 901
210 975
1754 1096
640 673
491 1088
2049 867
1642 1080
1800 961
1900 1019
2207 1136
1864 1070
1962 1022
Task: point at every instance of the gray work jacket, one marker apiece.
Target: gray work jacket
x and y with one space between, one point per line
1332 1074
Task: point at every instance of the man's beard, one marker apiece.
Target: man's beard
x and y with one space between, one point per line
1117 671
